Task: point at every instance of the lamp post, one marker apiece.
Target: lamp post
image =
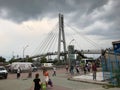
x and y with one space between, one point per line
71 41
24 48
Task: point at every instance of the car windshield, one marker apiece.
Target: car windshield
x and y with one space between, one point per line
2 68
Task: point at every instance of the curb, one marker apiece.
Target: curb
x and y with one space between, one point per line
89 81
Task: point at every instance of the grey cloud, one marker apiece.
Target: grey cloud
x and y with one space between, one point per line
22 10
112 32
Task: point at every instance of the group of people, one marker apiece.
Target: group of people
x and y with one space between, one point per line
71 69
85 68
38 84
88 67
19 72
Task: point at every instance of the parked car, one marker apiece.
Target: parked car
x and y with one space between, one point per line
3 72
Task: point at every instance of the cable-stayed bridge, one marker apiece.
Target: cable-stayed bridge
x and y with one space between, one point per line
62 53
60 37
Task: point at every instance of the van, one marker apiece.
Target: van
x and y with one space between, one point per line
24 66
47 65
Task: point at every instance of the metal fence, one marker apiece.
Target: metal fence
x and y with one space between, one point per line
111 67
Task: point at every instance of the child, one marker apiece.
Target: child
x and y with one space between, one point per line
37 82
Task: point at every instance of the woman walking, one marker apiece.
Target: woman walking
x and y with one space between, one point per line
47 78
37 82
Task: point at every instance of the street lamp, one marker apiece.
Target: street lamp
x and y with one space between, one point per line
71 41
24 48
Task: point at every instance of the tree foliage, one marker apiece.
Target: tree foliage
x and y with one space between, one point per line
12 60
2 59
43 59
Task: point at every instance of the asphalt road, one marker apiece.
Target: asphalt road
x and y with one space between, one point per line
60 82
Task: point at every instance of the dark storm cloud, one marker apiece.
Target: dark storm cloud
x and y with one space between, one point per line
22 10
111 18
79 13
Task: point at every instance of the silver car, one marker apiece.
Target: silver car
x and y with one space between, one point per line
3 72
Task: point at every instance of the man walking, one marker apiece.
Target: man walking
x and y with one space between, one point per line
54 71
94 69
18 72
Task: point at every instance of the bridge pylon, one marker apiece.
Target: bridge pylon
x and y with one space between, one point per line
61 38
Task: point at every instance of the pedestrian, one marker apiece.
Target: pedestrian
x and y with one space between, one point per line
37 82
30 72
94 70
54 71
66 68
18 72
47 78
77 69
85 68
89 67
71 70
46 75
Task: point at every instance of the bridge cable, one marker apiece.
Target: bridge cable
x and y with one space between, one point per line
90 41
44 41
50 37
53 44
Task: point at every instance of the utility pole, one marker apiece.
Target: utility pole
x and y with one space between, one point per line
61 38
24 48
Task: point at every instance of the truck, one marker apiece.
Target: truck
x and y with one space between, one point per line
24 66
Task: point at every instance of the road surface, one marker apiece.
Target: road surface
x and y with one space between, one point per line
60 82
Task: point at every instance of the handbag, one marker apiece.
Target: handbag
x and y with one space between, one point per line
43 86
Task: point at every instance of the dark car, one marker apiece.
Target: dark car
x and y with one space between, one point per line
3 72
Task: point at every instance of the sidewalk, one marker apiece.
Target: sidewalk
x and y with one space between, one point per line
88 78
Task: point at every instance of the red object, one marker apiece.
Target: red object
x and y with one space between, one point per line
46 74
94 68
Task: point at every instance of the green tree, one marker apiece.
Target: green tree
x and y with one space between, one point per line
43 59
2 59
29 60
12 60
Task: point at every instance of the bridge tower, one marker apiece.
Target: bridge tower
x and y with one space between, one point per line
61 38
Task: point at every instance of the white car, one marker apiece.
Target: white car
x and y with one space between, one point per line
3 72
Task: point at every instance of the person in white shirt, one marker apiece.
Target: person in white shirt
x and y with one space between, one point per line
18 72
54 71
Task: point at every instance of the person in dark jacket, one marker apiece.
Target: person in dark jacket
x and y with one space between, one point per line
18 72
37 82
94 69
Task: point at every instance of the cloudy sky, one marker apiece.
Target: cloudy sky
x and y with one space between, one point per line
25 22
